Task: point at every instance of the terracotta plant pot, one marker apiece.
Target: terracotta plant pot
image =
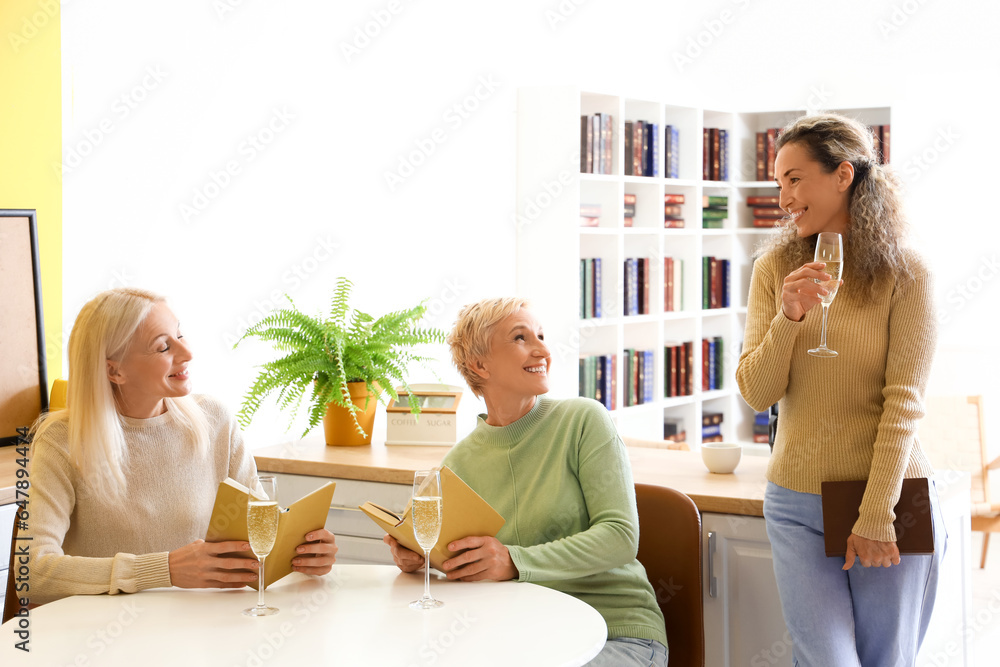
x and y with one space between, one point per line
338 426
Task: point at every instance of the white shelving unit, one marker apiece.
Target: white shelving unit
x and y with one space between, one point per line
551 242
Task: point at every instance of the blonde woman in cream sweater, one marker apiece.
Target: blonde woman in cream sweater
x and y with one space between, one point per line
849 417
123 480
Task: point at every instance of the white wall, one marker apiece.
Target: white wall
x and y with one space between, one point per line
200 77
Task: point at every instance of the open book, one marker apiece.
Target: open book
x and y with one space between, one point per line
463 513
229 522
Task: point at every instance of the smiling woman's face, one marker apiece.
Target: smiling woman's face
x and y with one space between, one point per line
817 201
155 366
519 360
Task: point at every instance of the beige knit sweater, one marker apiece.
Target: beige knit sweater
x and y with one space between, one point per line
85 544
853 416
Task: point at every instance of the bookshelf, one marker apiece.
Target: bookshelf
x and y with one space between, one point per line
551 243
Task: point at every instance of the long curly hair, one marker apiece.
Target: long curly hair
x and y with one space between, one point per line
874 246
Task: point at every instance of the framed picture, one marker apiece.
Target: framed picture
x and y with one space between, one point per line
23 375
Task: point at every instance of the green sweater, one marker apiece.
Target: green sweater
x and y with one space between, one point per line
561 478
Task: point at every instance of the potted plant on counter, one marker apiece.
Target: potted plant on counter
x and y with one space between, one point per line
345 360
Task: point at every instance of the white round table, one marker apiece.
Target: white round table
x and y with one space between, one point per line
356 615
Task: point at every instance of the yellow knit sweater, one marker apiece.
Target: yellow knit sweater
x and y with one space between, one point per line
853 416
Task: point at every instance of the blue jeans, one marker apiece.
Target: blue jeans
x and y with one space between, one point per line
875 617
631 652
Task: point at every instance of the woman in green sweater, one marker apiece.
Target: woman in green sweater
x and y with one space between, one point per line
851 417
559 474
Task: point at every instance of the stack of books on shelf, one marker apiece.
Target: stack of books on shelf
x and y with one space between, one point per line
673 217
673 429
711 427
765 211
596 145
672 155
598 379
638 376
711 363
715 283
673 284
678 378
881 135
760 427
590 215
630 200
714 212
642 145
637 285
715 154
590 288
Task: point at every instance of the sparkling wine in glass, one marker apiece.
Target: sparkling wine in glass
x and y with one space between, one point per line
830 250
262 527
426 511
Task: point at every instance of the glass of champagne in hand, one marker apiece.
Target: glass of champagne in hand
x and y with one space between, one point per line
426 512
830 250
262 527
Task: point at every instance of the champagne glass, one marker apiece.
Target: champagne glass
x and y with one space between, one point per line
829 249
262 527
426 512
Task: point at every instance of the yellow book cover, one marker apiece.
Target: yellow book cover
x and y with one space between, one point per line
463 513
229 522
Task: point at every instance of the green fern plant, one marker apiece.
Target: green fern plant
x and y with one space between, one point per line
324 354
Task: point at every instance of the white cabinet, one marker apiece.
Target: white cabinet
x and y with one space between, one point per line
359 539
743 621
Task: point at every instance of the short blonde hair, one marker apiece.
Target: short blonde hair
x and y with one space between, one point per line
470 337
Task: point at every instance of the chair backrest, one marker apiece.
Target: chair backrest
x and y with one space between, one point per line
10 602
951 435
670 550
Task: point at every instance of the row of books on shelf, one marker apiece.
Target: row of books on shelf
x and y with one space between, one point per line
715 154
637 286
765 153
716 280
711 428
642 140
599 380
598 373
765 210
596 144
638 291
679 374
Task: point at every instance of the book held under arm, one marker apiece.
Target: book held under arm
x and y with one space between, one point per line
229 522
841 509
463 514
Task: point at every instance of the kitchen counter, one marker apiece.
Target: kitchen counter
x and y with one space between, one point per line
741 492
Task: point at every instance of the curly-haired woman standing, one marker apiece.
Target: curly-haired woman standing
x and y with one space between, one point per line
850 417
